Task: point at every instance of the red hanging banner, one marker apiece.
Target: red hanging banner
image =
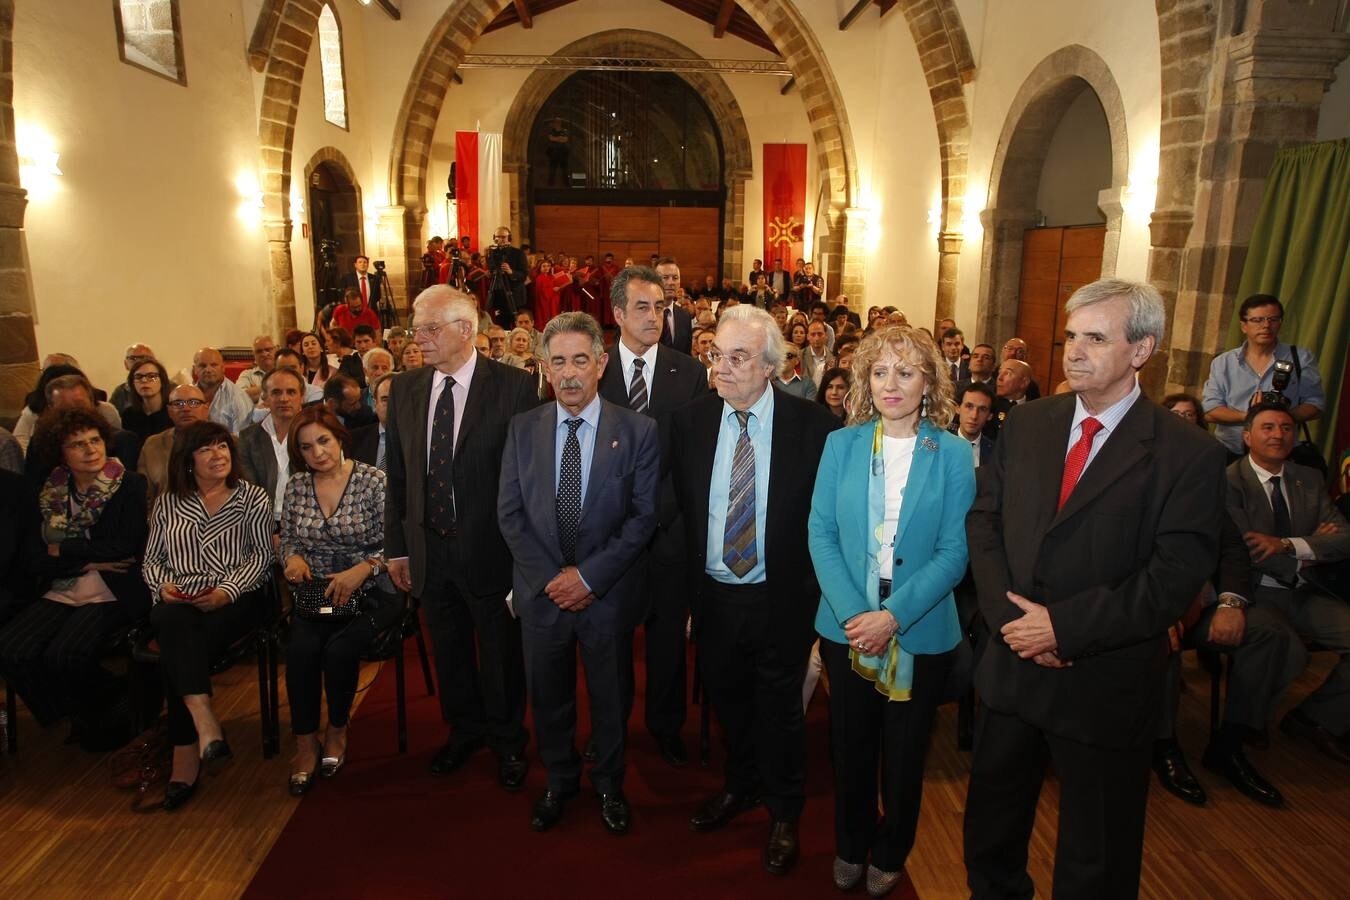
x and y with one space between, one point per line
466 184
784 203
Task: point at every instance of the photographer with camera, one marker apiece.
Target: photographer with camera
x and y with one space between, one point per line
507 268
366 284
1260 370
355 311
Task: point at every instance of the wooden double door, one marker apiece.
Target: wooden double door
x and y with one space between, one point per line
1055 263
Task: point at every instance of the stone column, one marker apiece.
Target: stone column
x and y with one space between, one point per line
18 349
278 234
852 241
399 238
1274 73
949 256
1002 265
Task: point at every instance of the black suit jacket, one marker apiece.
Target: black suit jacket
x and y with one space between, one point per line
496 393
799 431
683 338
1116 566
365 445
679 379
781 282
372 283
618 515
257 458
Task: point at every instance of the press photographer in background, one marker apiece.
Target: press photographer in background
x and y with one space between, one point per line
507 269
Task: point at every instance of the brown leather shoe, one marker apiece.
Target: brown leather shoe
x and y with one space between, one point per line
1297 723
720 809
780 853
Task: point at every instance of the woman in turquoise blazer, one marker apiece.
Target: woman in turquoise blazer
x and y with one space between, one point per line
888 540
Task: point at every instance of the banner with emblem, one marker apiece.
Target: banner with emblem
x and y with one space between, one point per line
784 203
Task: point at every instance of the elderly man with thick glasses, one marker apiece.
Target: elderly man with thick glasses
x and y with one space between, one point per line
1238 376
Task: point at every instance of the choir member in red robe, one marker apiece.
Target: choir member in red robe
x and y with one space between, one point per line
545 294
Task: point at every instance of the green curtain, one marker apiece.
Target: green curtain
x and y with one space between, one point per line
1300 252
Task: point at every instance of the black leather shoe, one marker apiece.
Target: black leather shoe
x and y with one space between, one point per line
178 793
614 812
780 853
549 809
590 752
1233 765
1173 774
1298 724
452 756
672 749
1257 737
217 751
511 770
720 809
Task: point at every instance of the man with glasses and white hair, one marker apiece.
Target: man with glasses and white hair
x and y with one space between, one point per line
1094 525
744 464
445 430
1237 376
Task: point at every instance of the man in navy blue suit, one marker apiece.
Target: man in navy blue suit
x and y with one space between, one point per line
577 506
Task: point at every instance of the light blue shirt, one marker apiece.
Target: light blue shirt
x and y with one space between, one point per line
760 428
1232 383
1109 417
590 417
231 407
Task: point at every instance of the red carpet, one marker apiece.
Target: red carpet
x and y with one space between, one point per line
386 828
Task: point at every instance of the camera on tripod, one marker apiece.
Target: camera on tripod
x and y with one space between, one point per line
379 266
328 248
1278 382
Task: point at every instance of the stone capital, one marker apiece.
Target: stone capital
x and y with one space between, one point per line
1008 221
278 230
13 202
949 242
1170 229
1271 64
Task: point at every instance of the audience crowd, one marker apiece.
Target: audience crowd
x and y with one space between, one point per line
891 468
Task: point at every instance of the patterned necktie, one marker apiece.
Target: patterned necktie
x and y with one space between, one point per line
381 462
1283 527
441 465
1077 459
738 538
637 389
567 507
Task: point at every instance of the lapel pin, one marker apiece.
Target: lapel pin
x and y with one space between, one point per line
613 444
929 444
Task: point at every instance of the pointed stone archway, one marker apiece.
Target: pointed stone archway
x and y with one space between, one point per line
737 158
1015 176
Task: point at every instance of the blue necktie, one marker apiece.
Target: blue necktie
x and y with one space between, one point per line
567 507
738 539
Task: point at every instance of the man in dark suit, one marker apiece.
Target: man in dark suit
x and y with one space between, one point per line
780 279
1016 348
263 454
445 430
365 283
651 378
974 405
370 442
577 504
1294 532
753 610
1094 526
677 326
958 363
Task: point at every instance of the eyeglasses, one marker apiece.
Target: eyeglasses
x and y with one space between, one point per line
146 376
86 444
186 404
735 360
432 330
1261 320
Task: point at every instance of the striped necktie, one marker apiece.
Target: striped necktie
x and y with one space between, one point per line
738 539
637 389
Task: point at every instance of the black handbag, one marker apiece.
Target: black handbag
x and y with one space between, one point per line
1305 452
308 600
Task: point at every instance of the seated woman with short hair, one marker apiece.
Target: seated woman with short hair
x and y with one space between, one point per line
207 560
85 548
332 535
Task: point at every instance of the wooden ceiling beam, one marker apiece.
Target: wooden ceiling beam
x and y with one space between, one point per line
523 13
853 14
723 18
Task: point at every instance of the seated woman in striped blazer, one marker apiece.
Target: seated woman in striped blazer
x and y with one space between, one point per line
206 561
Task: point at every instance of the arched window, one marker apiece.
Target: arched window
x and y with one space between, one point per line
150 36
330 55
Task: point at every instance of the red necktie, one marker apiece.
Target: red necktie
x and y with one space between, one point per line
1077 459
365 293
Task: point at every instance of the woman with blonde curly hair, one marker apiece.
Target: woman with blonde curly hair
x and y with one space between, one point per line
887 536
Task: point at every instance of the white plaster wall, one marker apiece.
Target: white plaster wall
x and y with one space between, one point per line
143 239
1077 165
313 132
1011 40
485 98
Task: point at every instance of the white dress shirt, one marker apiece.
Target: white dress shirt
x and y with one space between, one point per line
1303 552
463 376
626 358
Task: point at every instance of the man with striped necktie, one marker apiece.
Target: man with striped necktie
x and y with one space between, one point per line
744 466
651 378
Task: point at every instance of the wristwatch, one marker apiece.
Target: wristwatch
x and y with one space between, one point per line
375 568
1233 601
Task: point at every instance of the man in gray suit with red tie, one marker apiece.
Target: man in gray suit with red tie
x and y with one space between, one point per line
578 506
1093 528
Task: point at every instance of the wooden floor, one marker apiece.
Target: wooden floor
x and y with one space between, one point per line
65 832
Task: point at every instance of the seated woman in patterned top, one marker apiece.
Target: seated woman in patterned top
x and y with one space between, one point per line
332 527
208 557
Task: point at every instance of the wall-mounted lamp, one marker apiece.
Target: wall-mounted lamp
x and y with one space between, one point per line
39 161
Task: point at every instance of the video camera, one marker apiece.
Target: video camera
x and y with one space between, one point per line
379 265
328 248
1284 370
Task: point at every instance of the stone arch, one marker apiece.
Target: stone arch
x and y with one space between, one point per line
737 155
1016 174
944 53
464 22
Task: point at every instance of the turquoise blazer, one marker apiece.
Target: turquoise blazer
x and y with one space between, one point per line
930 541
